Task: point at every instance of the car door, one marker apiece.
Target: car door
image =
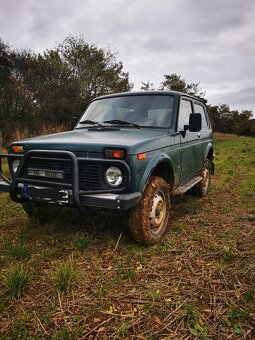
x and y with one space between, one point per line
190 142
206 131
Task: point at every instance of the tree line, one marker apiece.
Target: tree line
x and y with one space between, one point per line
222 118
53 86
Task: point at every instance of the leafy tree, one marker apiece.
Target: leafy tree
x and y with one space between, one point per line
53 86
174 82
96 70
15 98
147 86
227 121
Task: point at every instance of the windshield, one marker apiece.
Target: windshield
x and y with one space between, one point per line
143 110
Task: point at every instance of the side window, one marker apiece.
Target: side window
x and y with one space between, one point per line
184 112
200 109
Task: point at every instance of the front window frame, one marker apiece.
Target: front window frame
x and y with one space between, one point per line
168 126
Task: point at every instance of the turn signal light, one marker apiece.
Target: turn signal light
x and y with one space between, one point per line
141 156
117 154
17 148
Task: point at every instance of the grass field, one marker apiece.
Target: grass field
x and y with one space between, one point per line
86 278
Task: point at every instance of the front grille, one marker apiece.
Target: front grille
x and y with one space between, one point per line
89 172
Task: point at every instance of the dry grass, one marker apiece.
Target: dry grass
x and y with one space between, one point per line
224 135
197 284
24 133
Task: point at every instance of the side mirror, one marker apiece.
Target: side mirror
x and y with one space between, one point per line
195 122
74 121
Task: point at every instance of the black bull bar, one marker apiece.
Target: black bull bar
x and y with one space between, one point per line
79 197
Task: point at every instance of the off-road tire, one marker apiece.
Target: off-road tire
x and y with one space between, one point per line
201 189
149 220
43 212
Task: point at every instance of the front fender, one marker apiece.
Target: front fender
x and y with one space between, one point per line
154 162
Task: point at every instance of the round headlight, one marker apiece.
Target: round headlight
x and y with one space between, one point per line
114 176
15 165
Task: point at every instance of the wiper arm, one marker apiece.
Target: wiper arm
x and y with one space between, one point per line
121 122
91 122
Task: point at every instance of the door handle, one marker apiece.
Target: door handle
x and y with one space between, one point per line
199 134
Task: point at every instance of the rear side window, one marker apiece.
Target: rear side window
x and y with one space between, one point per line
200 109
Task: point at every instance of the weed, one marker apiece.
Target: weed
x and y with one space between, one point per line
23 234
18 251
177 228
117 282
155 295
199 331
148 308
82 242
248 296
61 334
170 245
122 330
16 279
190 314
237 314
228 254
64 276
233 319
129 273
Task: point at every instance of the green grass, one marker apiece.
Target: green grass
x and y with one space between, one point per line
17 250
90 279
16 279
82 242
64 276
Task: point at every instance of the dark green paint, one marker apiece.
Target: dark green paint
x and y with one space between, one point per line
184 155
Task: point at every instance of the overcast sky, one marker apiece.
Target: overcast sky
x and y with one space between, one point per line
206 41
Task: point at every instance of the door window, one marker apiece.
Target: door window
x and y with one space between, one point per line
184 113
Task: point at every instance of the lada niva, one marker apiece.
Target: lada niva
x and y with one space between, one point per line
128 152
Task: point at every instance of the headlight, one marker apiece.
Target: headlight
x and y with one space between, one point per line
15 165
114 176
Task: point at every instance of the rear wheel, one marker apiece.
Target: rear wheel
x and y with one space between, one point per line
202 188
41 211
149 220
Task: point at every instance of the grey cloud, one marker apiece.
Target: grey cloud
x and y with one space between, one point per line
202 40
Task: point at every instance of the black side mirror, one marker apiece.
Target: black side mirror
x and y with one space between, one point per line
74 121
195 122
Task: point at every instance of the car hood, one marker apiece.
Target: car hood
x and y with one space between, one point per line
84 140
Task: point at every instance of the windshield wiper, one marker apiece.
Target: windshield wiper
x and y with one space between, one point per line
91 122
121 122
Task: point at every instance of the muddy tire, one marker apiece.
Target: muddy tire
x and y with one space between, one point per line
149 220
41 211
201 189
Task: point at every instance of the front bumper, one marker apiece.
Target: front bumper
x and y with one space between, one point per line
18 187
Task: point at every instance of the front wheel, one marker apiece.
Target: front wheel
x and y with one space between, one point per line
149 220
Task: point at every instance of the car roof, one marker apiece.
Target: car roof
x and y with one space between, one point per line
149 93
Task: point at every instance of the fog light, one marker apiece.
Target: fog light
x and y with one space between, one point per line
15 165
114 176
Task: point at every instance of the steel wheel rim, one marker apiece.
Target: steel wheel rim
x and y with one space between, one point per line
158 212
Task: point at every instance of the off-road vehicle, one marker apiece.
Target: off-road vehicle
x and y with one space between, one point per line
128 152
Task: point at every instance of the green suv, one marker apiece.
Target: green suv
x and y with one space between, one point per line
129 152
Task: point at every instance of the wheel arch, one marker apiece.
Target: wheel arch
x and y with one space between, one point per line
160 166
209 152
210 155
